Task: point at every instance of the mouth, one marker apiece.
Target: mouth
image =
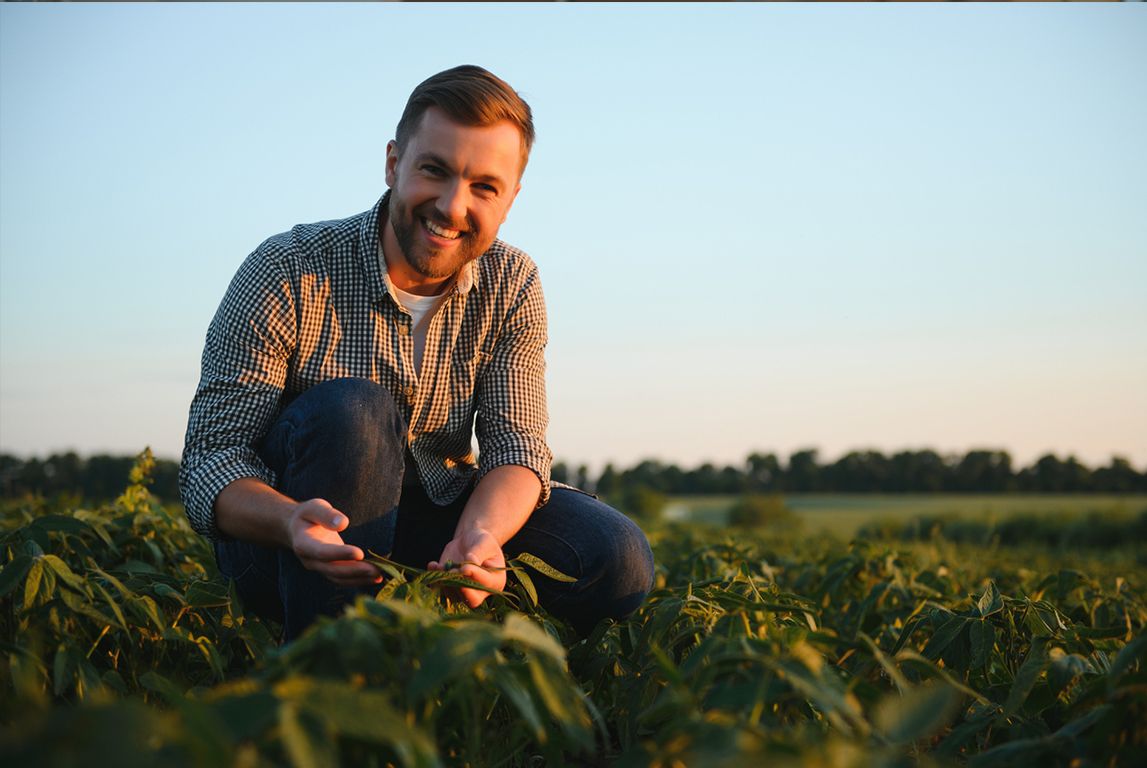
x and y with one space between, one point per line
446 233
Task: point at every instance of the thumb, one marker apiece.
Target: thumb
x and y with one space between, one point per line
327 516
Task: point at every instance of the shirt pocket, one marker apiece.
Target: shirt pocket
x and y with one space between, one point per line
464 376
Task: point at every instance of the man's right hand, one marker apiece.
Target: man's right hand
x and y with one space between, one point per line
313 531
250 510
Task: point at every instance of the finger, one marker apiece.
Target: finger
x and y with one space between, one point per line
474 597
326 516
344 570
320 550
346 573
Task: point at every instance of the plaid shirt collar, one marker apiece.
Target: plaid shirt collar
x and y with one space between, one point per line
371 249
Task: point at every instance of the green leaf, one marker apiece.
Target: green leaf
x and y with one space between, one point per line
1026 752
80 605
886 663
454 654
361 713
164 590
1026 677
944 636
61 569
521 630
542 567
14 572
918 714
157 683
32 584
60 523
547 681
208 594
913 660
983 636
63 670
990 601
1064 669
111 602
1133 652
306 742
519 695
528 585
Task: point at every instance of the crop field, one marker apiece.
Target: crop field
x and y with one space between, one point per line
120 645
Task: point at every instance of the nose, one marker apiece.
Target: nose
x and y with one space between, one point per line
452 204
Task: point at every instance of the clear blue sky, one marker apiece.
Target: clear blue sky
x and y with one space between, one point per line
759 227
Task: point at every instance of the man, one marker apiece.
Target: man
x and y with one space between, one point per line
349 367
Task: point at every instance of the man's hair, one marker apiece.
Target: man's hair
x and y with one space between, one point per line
469 95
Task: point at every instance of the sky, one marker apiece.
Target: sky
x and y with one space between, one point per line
759 227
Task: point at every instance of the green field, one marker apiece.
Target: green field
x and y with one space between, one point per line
844 514
120 645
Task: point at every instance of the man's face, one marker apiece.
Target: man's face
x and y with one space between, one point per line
451 187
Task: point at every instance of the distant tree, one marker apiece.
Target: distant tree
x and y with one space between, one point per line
648 473
559 472
857 472
761 511
106 476
763 473
582 480
732 480
917 471
705 479
984 471
1117 477
803 473
1047 475
608 484
642 503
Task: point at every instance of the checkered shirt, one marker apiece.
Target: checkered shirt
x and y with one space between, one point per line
314 304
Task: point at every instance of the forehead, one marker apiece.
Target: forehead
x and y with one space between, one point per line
476 149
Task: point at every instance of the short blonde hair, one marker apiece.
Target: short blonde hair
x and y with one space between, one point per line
469 95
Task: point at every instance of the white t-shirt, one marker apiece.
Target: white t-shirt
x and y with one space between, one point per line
421 309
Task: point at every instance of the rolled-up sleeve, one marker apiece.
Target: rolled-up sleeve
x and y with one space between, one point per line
244 368
512 414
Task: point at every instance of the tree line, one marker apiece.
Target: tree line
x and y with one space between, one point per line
95 478
102 477
924 471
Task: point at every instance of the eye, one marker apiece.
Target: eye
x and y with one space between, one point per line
489 189
432 170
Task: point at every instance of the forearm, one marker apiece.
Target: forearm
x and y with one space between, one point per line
250 510
501 503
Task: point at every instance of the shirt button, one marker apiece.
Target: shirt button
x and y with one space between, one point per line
403 330
408 391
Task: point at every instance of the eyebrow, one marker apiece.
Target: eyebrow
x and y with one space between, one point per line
439 160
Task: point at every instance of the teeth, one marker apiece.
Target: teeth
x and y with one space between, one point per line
449 234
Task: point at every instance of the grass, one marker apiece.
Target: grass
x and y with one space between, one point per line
844 514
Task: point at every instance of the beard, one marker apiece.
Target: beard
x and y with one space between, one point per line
433 263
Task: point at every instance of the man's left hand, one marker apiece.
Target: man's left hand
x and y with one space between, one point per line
467 551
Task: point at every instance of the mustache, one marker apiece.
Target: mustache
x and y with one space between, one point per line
435 217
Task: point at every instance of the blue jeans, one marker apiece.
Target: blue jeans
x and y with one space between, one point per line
345 441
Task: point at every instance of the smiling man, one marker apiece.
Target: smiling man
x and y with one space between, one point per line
349 367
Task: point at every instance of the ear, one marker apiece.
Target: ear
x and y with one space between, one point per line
513 197
391 162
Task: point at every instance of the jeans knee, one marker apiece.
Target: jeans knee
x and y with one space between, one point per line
343 440
632 559
353 409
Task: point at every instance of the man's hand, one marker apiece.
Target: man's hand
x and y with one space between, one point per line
313 531
470 547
